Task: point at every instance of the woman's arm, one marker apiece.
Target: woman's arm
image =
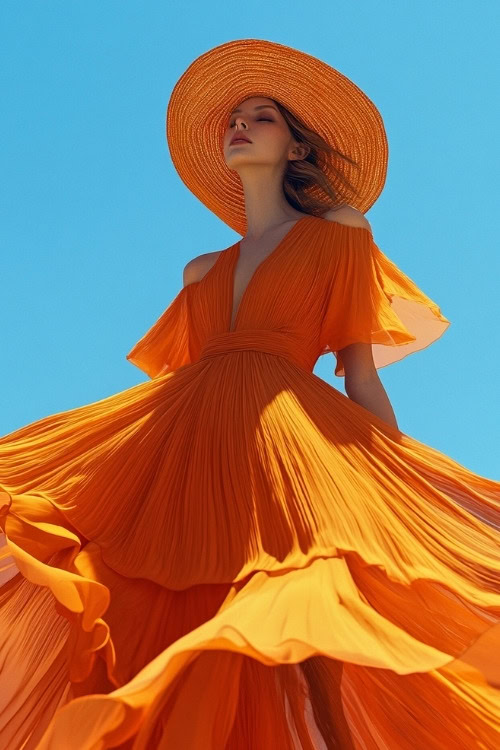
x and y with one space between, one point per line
362 383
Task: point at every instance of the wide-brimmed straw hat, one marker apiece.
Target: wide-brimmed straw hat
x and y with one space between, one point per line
324 99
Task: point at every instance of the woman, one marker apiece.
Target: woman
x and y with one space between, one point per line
234 554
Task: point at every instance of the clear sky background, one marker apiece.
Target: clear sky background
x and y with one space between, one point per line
96 226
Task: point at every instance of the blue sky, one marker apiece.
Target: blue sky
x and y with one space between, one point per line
96 226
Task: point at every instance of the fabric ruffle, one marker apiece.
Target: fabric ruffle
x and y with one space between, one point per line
371 300
165 345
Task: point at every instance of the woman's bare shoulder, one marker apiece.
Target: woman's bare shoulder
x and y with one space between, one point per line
197 267
348 215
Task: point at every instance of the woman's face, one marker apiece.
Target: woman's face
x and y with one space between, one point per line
259 120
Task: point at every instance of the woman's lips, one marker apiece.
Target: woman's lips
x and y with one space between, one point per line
239 140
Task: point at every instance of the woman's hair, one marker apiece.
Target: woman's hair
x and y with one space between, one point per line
302 173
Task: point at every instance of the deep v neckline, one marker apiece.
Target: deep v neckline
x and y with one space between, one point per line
232 274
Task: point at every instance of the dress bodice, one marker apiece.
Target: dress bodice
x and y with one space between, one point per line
324 286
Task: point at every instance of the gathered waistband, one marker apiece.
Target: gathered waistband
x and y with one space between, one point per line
280 343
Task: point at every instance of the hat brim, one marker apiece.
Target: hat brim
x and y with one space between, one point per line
321 97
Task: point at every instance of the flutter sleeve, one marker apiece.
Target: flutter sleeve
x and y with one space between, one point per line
166 345
370 300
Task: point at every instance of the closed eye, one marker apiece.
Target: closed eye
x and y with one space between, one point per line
258 120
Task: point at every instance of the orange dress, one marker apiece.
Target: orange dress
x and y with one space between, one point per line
233 554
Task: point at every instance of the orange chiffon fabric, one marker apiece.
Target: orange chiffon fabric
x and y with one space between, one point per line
233 554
